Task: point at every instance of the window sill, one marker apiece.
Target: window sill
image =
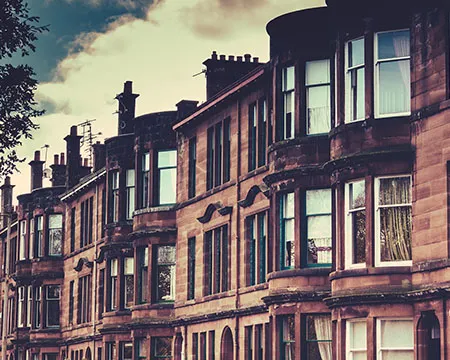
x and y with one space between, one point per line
304 139
367 123
123 312
155 209
252 288
78 251
153 306
217 296
316 271
206 194
254 172
371 271
46 330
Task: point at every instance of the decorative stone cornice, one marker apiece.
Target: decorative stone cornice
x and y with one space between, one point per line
251 195
211 208
83 261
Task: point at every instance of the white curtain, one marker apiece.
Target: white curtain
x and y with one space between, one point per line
401 48
322 325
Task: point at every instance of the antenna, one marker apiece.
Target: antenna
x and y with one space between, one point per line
87 138
47 171
201 72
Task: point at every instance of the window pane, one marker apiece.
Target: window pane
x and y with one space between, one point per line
395 234
318 201
167 158
359 236
358 335
168 186
146 162
288 78
394 87
357 194
317 72
393 44
113 267
166 254
356 52
129 266
130 177
289 205
395 191
397 333
55 221
397 355
162 347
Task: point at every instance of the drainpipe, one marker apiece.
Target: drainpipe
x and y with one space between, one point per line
94 269
238 238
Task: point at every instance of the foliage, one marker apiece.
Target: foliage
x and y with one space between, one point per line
18 32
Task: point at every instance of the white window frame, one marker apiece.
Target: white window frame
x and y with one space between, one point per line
348 226
20 306
23 240
130 193
348 93
376 83
128 271
287 91
113 274
348 350
379 349
376 205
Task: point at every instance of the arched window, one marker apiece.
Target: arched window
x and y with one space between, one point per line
226 346
88 355
429 337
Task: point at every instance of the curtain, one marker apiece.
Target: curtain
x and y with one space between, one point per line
322 325
319 120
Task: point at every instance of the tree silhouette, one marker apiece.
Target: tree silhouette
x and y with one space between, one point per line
18 32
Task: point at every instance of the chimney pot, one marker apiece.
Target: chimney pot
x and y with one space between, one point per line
239 58
85 162
128 87
256 59
247 57
62 159
37 155
73 130
222 57
231 57
214 55
7 180
56 159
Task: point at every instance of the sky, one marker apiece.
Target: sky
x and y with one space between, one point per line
94 46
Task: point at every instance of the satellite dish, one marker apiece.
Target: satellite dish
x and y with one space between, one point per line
47 173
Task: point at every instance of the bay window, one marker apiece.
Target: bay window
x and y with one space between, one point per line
167 177
165 273
392 73
354 82
318 227
128 276
393 220
318 337
288 98
355 223
356 339
318 99
55 235
395 339
287 230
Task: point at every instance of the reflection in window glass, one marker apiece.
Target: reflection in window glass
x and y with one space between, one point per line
165 273
287 208
52 296
128 273
356 222
354 86
161 348
130 193
167 175
55 234
287 88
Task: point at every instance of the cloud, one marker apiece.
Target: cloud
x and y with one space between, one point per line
129 5
159 53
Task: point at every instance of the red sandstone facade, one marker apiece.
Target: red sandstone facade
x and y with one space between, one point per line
301 212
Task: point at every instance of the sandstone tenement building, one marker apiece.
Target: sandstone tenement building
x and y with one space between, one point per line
301 213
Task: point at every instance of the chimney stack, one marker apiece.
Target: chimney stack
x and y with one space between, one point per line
73 166
37 171
58 171
127 106
99 155
7 193
185 108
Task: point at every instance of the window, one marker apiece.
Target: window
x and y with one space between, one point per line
141 349
287 229
257 247
165 273
86 222
130 193
71 300
52 297
248 343
354 83
114 196
167 177
392 73
23 240
395 339
21 310
11 315
72 228
393 220
84 299
288 92
211 345
287 337
37 307
29 305
101 293
38 236
113 271
145 179
356 223
195 346
128 274
262 131
318 100
318 227
356 339
55 234
12 255
203 345
191 268
51 356
218 154
192 167
216 260
111 351
259 342
318 337
161 348
142 254
252 137
126 351
32 239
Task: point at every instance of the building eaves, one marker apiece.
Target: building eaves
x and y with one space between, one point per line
83 184
225 93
